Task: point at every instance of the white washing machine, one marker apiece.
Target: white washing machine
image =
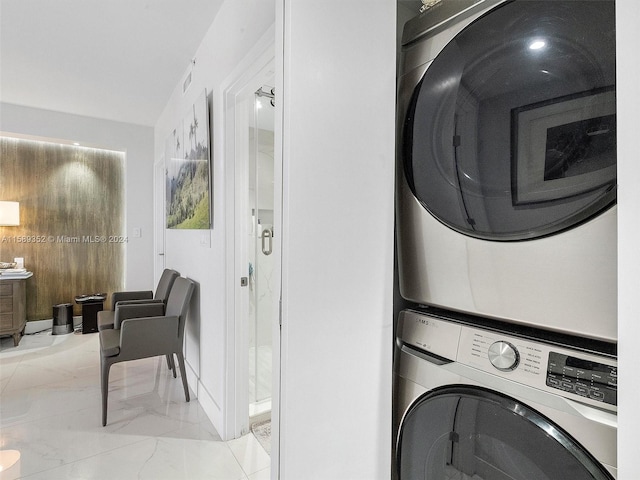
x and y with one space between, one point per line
477 403
506 190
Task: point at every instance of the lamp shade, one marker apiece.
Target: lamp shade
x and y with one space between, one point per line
9 214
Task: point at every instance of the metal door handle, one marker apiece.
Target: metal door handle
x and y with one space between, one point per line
267 242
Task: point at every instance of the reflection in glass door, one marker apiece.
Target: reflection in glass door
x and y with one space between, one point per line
260 243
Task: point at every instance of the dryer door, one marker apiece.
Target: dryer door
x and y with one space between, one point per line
471 433
511 132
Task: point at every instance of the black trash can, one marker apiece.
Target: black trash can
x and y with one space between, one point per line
91 305
62 319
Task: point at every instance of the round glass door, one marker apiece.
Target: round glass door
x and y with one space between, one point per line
511 132
470 433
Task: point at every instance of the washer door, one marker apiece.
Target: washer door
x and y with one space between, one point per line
471 433
511 132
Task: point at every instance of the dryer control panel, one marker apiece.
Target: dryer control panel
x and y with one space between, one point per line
572 373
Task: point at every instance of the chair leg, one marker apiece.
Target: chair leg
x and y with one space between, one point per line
104 387
172 365
183 374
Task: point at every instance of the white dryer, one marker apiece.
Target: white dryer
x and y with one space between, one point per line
506 188
479 403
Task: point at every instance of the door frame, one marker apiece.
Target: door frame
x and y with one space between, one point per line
250 72
159 208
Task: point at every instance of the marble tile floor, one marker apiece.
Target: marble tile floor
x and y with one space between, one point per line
50 416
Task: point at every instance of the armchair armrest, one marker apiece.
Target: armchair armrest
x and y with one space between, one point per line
148 337
135 295
138 302
124 312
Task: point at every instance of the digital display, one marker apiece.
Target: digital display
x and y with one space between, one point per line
594 380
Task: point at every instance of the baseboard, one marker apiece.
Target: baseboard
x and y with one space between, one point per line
36 326
211 409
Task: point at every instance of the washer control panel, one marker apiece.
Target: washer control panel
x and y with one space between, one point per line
572 373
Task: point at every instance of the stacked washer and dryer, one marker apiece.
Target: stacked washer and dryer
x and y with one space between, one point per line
505 363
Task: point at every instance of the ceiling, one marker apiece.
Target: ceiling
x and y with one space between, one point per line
111 59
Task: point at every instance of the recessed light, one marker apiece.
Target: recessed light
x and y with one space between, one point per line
537 44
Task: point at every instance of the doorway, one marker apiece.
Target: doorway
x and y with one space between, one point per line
254 273
260 216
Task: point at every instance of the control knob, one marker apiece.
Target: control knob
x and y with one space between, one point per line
504 356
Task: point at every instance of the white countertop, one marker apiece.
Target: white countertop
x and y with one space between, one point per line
14 274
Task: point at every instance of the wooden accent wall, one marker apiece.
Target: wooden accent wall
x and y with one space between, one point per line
72 226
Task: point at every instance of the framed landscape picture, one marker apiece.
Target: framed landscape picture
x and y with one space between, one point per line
187 154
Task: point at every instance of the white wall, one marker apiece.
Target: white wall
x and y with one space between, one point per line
135 140
338 91
201 254
628 39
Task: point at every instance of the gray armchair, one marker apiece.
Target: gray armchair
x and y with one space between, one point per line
146 330
106 317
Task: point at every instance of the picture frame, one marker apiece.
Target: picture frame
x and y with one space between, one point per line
188 170
563 147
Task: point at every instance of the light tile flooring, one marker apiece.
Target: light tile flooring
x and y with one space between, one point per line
50 414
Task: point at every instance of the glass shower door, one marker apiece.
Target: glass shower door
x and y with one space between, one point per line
261 298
